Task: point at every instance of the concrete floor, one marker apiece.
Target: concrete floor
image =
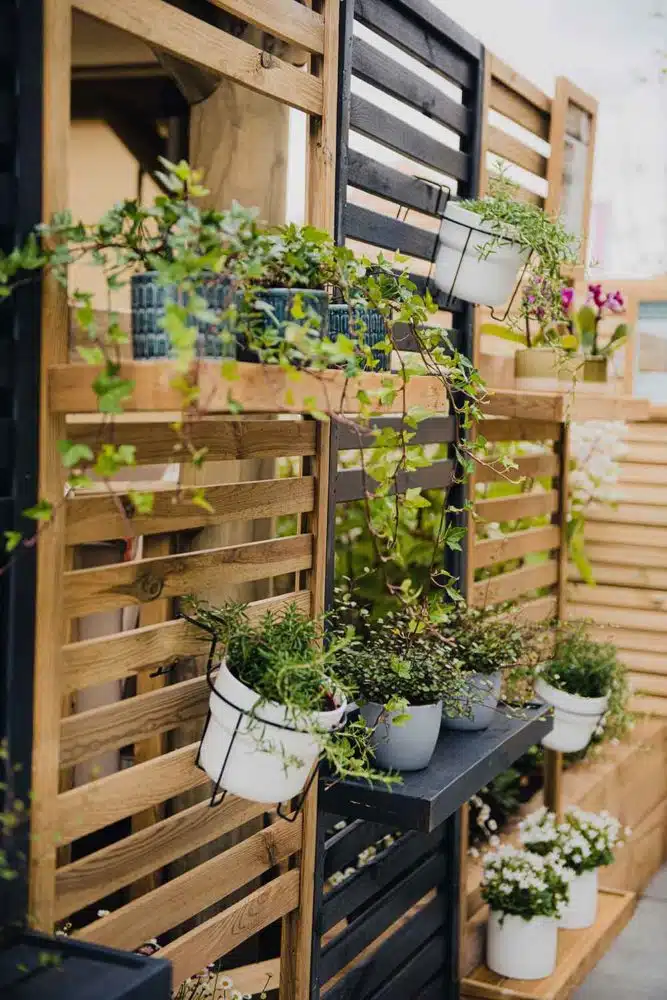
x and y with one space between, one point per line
635 967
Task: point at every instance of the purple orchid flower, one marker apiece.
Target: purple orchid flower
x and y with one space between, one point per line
596 295
615 302
567 299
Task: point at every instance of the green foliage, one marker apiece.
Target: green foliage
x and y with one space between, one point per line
486 640
579 665
525 884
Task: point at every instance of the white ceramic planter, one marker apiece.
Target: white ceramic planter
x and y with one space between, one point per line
575 718
484 693
582 909
262 763
487 280
410 746
521 949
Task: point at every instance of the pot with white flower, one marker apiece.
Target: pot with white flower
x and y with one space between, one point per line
526 893
578 681
403 669
586 842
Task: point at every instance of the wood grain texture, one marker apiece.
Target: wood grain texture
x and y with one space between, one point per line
142 649
189 894
286 19
625 534
217 936
650 621
514 584
189 38
223 439
512 508
629 513
504 74
560 517
529 467
506 146
641 598
539 609
96 518
321 150
520 430
515 546
95 875
513 105
172 576
50 624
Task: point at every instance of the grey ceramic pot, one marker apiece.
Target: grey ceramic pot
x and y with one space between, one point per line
482 702
410 746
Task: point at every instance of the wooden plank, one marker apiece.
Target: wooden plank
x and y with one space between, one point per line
383 127
378 179
655 475
653 433
189 894
602 407
223 439
620 597
650 663
538 610
391 234
649 684
526 405
646 454
510 585
213 939
379 69
260 389
128 653
287 19
634 513
513 508
513 105
124 584
629 639
95 875
99 803
553 781
257 977
530 467
560 518
50 627
145 715
635 557
629 576
625 534
514 546
509 148
646 705
504 74
96 518
520 429
651 621
321 168
578 953
166 27
653 495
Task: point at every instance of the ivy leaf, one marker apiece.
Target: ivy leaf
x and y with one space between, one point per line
74 454
91 355
42 511
12 540
199 500
142 502
230 370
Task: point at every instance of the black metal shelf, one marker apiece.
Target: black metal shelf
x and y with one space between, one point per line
462 763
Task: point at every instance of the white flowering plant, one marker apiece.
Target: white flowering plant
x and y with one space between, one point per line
525 884
584 840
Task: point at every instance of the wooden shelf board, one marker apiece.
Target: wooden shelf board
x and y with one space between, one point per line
561 406
578 953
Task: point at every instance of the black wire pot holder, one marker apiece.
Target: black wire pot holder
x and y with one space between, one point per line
219 791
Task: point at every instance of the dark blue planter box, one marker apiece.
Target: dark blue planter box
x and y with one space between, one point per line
38 967
149 298
375 332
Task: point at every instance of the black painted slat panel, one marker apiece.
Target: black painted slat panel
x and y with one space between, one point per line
343 848
434 430
391 234
383 127
379 69
7 112
423 283
376 178
405 340
368 881
351 484
418 39
368 975
417 972
452 33
378 918
7 207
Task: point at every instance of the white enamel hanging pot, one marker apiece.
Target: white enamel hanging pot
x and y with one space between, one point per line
465 270
521 949
259 751
575 718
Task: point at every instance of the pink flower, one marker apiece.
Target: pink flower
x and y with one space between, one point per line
596 295
615 302
567 298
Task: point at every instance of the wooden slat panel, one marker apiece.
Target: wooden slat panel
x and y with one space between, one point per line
99 803
380 125
629 514
217 936
159 24
653 494
520 430
122 862
97 518
260 389
643 576
116 586
650 684
628 638
652 621
618 597
655 475
651 432
514 584
653 454
539 610
189 894
509 148
351 484
223 439
89 733
508 102
531 467
379 69
527 405
514 81
643 662
644 705
94 661
625 534
639 557
514 546
286 19
378 179
514 507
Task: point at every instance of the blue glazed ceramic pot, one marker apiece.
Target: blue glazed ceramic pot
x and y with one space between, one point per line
375 332
149 298
281 303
